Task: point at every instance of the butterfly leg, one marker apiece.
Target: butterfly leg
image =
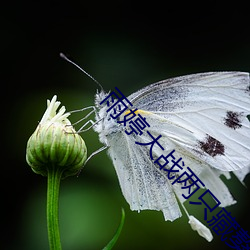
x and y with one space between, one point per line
86 116
92 154
81 129
96 152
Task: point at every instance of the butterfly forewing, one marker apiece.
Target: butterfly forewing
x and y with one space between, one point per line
210 108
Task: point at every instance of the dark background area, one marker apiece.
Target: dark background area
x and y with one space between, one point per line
121 43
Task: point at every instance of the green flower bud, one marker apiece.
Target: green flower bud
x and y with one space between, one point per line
55 144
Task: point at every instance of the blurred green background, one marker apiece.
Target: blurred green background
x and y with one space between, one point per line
123 44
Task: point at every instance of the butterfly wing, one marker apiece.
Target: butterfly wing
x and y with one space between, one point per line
202 117
142 184
145 186
210 108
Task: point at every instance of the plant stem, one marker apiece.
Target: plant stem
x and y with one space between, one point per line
54 177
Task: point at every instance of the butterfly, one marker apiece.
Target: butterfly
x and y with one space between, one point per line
203 117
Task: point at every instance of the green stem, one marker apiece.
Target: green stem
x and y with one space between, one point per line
54 177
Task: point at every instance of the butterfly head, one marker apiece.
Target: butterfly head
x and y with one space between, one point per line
106 124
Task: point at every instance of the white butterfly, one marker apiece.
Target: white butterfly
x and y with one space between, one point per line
202 116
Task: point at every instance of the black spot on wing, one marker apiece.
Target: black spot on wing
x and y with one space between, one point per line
212 146
233 119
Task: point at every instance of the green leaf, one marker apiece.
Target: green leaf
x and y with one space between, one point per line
117 234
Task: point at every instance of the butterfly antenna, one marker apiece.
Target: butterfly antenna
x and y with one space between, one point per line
86 73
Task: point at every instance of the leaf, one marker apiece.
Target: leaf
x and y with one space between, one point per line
117 234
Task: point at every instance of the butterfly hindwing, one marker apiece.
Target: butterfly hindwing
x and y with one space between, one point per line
142 184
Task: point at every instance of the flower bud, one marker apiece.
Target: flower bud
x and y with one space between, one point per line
55 144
